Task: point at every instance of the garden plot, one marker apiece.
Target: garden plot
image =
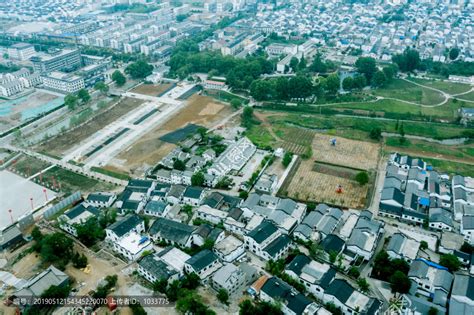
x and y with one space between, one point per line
295 140
347 153
319 183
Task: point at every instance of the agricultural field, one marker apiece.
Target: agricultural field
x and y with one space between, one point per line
403 90
60 144
146 152
314 182
347 153
295 140
152 89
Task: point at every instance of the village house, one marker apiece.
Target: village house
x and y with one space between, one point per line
77 216
166 265
203 264
230 278
267 242
230 249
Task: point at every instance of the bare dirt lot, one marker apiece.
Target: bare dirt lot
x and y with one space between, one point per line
58 145
348 153
151 89
317 183
201 110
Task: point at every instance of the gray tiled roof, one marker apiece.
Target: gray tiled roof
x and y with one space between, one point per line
125 225
171 230
263 231
277 245
156 267
202 259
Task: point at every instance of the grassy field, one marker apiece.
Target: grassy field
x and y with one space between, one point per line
346 125
419 147
447 87
28 165
470 97
403 90
390 108
451 167
68 181
261 137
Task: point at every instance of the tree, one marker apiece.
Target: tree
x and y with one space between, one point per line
362 178
401 130
247 117
83 95
423 245
450 261
287 158
235 103
408 61
454 53
360 82
376 133
179 165
56 292
191 281
243 194
379 79
389 72
294 64
70 101
56 248
197 179
223 296
302 64
318 65
363 285
139 69
354 272
79 261
160 285
90 231
332 84
102 87
367 67
118 78
348 83
399 282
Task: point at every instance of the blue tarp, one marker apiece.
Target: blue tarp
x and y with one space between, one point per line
432 264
